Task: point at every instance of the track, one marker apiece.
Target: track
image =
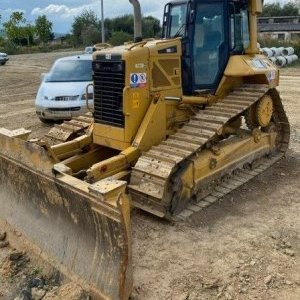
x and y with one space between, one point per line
239 178
67 131
152 176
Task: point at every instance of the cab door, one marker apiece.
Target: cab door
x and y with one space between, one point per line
210 43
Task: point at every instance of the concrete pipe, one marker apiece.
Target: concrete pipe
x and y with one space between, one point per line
280 49
292 58
288 51
281 61
295 57
289 59
277 51
267 52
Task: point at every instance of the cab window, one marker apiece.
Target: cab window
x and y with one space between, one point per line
177 21
208 40
239 24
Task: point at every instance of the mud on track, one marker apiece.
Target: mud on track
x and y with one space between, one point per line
245 247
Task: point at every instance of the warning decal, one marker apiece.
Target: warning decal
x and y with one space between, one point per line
138 80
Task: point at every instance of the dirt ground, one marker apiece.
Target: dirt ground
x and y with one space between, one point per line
245 247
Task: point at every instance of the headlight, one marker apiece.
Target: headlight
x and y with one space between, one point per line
46 98
90 96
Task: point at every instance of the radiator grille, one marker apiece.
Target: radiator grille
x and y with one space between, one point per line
109 82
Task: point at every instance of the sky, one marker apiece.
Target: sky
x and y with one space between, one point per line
62 12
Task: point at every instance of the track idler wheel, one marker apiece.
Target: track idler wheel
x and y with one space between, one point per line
264 111
260 114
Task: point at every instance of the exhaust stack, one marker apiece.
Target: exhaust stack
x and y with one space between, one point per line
137 20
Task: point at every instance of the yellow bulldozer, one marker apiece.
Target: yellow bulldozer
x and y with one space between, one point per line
177 123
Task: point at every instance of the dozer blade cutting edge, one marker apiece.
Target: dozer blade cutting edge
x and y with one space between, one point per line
83 235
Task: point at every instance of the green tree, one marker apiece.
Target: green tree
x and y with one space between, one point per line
86 19
17 30
27 33
13 26
43 28
86 28
123 23
151 27
91 35
290 9
271 10
276 10
119 38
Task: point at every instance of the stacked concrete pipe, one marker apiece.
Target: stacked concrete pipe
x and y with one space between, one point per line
280 56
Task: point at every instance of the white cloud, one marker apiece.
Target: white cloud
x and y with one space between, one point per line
112 8
57 10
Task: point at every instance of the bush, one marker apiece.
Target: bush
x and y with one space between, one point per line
297 48
90 35
119 38
9 47
12 49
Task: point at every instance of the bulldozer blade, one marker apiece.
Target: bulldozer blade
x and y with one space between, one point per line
86 238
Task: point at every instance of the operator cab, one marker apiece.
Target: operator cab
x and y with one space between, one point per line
211 31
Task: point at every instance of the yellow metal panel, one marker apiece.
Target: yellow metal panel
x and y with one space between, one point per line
106 131
230 153
165 64
112 165
256 69
111 143
153 128
136 104
136 98
110 136
140 59
247 65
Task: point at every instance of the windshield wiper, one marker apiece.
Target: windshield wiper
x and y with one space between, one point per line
179 32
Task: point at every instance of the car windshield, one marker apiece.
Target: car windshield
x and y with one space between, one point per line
71 71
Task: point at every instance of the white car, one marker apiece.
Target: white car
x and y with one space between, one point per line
3 58
62 94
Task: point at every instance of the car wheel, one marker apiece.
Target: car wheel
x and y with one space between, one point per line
3 63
